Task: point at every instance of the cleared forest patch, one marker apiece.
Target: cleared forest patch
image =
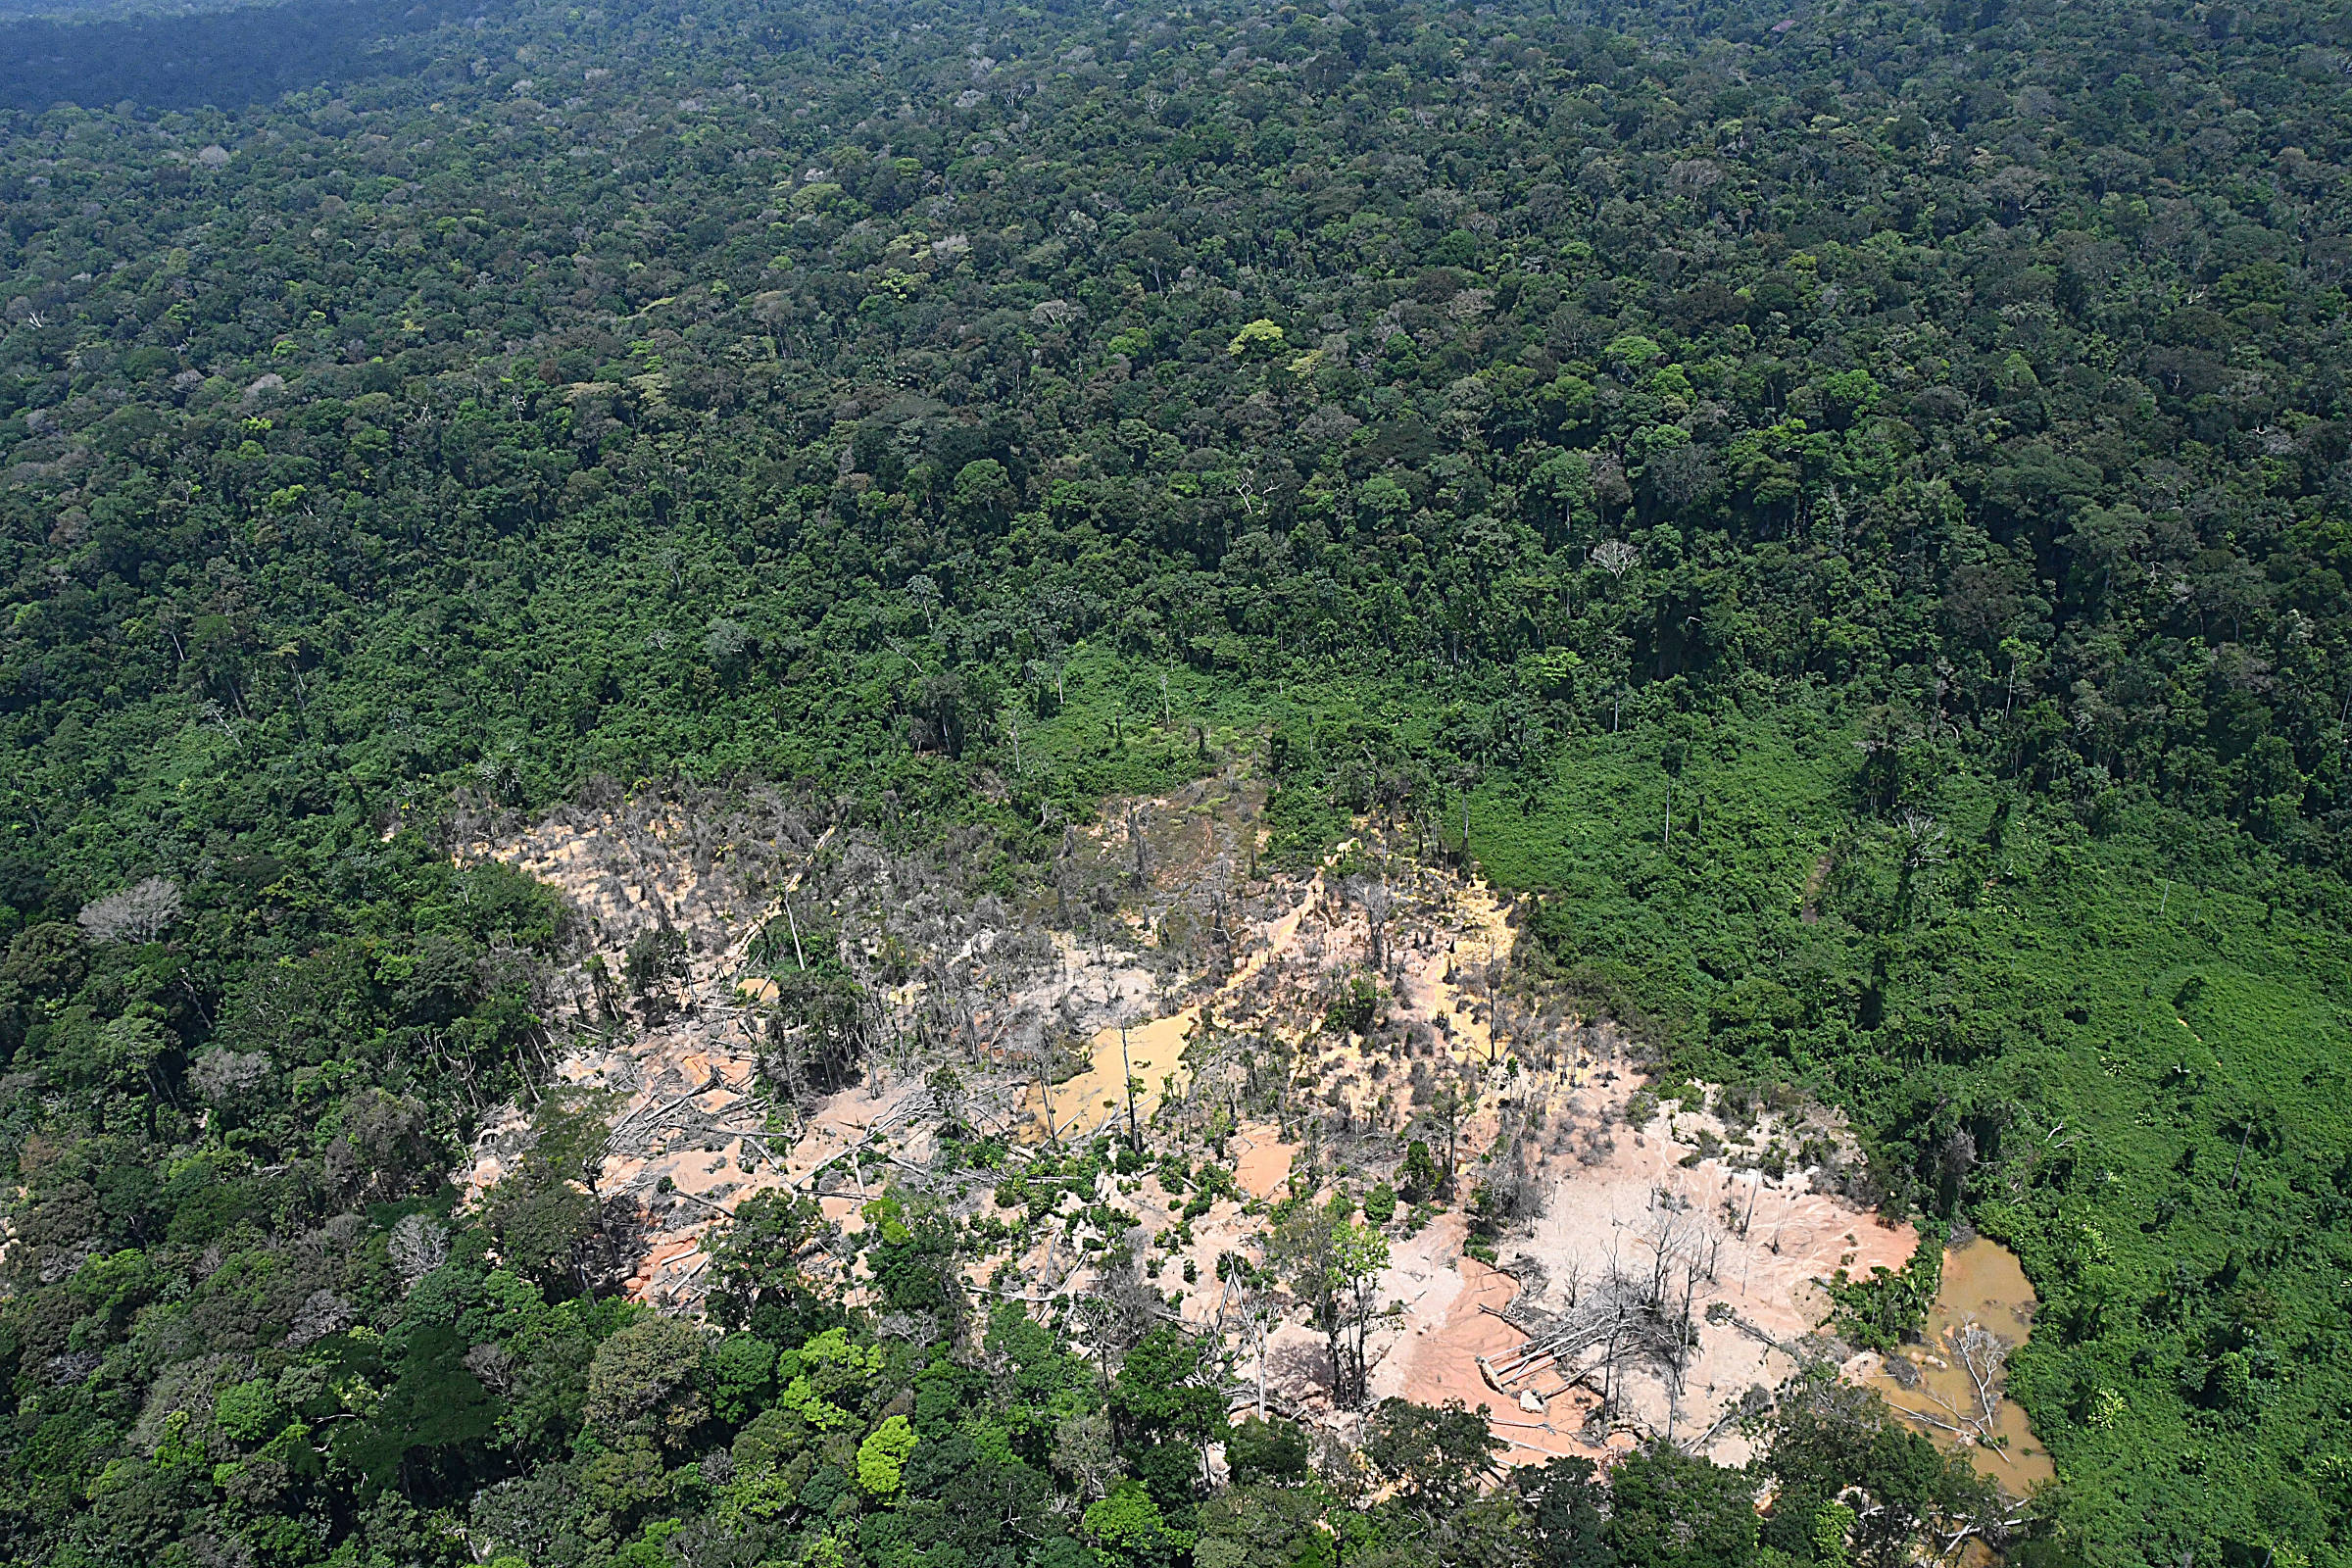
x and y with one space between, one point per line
1121 1087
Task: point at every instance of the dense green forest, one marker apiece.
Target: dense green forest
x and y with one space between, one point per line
1850 506
151 56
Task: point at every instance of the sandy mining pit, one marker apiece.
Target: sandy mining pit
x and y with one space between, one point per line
1648 1274
1647 1231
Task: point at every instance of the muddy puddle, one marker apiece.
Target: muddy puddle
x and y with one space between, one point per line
1095 1100
1952 1385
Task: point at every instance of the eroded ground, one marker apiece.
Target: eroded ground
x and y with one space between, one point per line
1654 1262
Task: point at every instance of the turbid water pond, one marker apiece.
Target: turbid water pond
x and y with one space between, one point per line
1953 1384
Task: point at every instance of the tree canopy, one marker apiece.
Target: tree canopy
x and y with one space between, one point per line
1849 509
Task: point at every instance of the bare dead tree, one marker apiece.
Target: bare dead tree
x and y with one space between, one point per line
1379 904
1616 556
1983 1358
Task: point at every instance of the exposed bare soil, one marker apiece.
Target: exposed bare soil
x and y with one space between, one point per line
1641 1249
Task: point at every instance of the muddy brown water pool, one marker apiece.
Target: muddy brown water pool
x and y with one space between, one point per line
1955 1390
